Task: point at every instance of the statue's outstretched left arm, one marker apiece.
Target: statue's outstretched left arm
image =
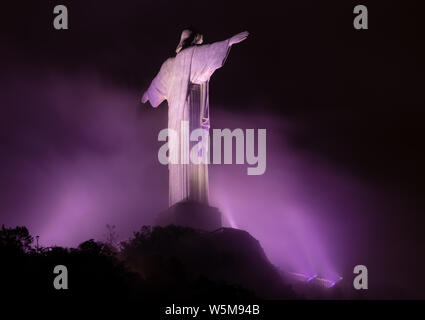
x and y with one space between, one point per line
238 38
210 57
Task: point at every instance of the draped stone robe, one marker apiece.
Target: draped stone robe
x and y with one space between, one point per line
183 82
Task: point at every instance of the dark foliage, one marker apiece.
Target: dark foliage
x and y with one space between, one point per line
180 257
159 263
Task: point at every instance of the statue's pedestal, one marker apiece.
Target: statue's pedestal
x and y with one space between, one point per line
191 214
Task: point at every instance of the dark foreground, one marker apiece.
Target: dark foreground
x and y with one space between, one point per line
167 264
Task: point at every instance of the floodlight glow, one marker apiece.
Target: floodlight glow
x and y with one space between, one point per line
312 278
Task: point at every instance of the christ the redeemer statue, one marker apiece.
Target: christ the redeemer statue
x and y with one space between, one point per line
183 82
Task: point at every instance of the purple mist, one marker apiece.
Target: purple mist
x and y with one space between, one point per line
84 154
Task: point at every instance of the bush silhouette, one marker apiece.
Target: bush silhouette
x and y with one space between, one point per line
156 263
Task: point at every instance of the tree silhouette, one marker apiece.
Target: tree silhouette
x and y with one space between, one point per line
16 239
156 263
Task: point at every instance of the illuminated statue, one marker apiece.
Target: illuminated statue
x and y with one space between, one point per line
183 82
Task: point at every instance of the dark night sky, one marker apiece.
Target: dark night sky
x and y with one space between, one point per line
353 99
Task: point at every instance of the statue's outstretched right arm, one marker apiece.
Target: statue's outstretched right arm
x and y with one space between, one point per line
157 91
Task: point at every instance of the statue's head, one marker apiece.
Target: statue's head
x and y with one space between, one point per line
189 37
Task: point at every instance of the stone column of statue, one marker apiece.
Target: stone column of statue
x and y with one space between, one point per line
183 82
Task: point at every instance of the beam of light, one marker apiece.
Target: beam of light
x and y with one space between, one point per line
312 278
308 278
229 217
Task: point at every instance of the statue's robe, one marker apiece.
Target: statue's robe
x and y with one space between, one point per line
183 82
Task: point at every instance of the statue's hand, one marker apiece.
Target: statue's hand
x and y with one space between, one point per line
145 97
239 37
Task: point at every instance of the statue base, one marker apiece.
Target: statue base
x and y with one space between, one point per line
191 214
